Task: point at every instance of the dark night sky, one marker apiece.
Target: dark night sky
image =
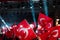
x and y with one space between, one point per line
16 12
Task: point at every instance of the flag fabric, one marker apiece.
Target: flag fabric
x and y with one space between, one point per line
45 21
44 24
44 36
11 31
51 33
24 32
58 28
52 38
9 34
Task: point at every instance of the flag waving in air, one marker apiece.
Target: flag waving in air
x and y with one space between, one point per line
24 31
45 21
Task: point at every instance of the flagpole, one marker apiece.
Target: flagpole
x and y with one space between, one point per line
45 7
33 12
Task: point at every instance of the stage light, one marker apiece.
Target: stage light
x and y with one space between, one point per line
36 31
3 22
33 11
31 7
45 7
3 27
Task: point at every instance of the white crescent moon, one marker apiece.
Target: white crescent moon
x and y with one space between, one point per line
41 19
25 31
56 33
49 25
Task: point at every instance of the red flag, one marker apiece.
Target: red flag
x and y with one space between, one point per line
58 28
51 32
45 21
44 36
53 35
9 34
24 32
49 25
52 38
11 31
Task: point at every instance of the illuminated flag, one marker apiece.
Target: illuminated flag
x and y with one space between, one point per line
24 32
53 35
9 34
52 38
45 21
51 32
58 28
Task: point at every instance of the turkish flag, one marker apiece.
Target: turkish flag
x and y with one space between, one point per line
44 36
24 31
53 35
51 32
49 25
11 32
58 28
43 19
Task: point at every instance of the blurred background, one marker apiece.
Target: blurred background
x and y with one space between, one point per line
15 11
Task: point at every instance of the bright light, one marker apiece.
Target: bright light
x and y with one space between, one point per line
45 7
10 27
31 7
21 25
3 22
32 26
3 27
3 32
36 31
39 27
